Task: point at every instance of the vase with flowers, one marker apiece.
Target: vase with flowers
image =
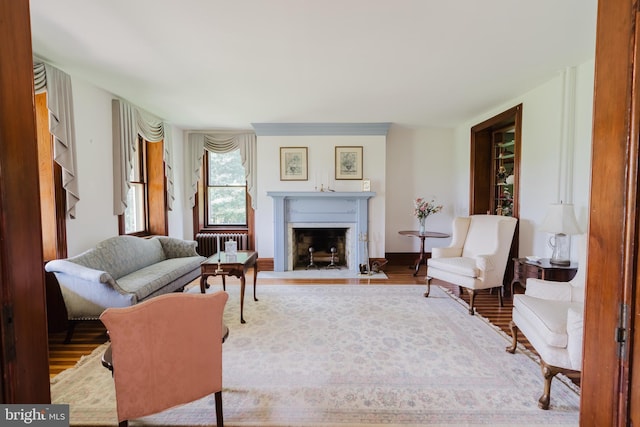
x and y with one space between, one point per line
422 208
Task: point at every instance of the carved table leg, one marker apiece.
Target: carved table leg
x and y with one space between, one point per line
426 294
242 285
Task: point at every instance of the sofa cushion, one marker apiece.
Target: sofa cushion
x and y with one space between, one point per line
547 316
149 279
462 266
121 255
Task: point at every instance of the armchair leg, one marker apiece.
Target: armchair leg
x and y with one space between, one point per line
514 336
219 417
472 298
500 297
428 279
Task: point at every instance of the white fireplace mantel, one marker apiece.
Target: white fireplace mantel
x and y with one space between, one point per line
319 208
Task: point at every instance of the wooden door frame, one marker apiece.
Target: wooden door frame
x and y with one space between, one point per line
481 157
24 361
613 219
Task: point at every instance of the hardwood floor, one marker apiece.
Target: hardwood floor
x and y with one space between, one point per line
89 335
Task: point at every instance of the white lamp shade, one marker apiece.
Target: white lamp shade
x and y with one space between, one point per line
561 219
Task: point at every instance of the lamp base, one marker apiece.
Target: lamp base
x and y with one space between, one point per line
561 244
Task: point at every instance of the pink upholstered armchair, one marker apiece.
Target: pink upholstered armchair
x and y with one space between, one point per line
166 351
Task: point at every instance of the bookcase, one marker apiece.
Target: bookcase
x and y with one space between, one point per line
503 197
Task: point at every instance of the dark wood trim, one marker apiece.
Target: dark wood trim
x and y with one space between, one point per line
156 189
613 232
24 362
265 264
481 151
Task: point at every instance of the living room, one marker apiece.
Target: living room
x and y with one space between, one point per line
430 161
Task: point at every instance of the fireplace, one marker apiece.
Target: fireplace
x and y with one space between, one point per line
320 210
328 246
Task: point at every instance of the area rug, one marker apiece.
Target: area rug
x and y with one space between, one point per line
320 274
350 355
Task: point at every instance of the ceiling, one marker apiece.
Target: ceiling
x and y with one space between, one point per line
224 64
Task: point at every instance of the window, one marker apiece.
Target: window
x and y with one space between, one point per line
146 211
226 190
135 216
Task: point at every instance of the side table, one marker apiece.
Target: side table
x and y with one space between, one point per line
542 269
422 236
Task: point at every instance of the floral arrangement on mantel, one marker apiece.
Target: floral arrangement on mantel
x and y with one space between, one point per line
422 208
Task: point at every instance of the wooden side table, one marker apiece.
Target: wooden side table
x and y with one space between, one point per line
542 269
422 236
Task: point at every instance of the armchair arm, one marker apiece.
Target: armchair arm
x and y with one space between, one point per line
548 289
79 271
485 262
575 326
446 252
177 248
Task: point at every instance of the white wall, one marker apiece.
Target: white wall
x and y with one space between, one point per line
541 177
321 167
408 163
94 212
95 220
420 163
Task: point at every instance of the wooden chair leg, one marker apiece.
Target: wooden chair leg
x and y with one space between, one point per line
500 297
70 328
219 417
428 279
514 337
472 298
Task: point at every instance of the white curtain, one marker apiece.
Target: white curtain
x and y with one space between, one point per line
222 143
57 84
129 122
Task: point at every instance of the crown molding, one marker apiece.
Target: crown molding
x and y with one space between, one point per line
304 129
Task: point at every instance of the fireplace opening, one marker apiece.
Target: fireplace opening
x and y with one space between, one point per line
322 240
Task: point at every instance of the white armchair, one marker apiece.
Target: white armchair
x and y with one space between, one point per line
550 315
477 256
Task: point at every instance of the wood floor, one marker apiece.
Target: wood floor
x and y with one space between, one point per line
89 335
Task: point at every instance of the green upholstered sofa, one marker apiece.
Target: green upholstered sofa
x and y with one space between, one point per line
122 271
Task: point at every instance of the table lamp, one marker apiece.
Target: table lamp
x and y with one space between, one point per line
562 223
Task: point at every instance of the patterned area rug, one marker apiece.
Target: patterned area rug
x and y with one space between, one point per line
320 274
351 355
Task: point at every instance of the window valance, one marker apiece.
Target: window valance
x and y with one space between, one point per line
223 143
130 121
57 84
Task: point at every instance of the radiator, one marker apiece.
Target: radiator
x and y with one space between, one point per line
207 242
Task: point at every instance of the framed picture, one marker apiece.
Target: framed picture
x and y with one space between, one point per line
293 164
348 162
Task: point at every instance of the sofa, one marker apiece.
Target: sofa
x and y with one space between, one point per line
122 271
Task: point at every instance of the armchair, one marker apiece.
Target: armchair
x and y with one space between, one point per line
477 256
165 352
550 315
